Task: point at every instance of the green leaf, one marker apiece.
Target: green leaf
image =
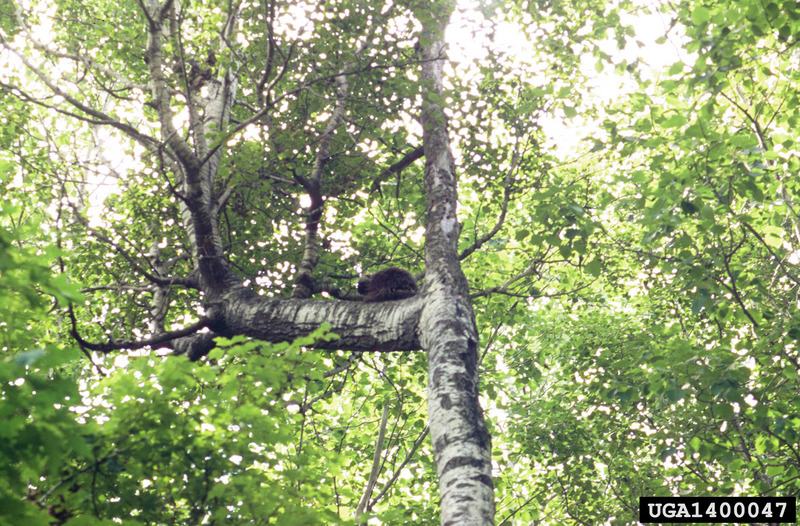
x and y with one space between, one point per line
724 411
594 267
700 15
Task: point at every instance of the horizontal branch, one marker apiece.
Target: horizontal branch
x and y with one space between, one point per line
368 327
116 345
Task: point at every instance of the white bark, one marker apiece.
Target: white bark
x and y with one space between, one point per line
387 326
448 332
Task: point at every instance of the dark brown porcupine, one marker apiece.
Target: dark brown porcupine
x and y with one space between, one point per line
388 284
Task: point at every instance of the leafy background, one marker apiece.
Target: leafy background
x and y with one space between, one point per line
637 302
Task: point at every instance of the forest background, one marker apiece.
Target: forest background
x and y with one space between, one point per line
613 300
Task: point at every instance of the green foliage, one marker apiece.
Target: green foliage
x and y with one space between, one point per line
38 431
637 302
184 442
162 441
675 372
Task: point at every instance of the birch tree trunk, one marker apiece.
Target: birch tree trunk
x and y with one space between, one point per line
448 332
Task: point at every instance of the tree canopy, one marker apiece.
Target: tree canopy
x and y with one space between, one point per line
597 200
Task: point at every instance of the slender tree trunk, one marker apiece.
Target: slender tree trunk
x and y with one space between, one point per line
448 332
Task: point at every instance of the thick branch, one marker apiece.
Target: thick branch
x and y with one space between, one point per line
387 326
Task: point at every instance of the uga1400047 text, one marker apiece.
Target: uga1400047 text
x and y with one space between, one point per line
689 510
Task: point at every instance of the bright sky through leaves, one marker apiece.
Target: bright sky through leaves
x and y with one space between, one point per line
629 214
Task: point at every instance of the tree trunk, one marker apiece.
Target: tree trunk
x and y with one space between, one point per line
448 332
